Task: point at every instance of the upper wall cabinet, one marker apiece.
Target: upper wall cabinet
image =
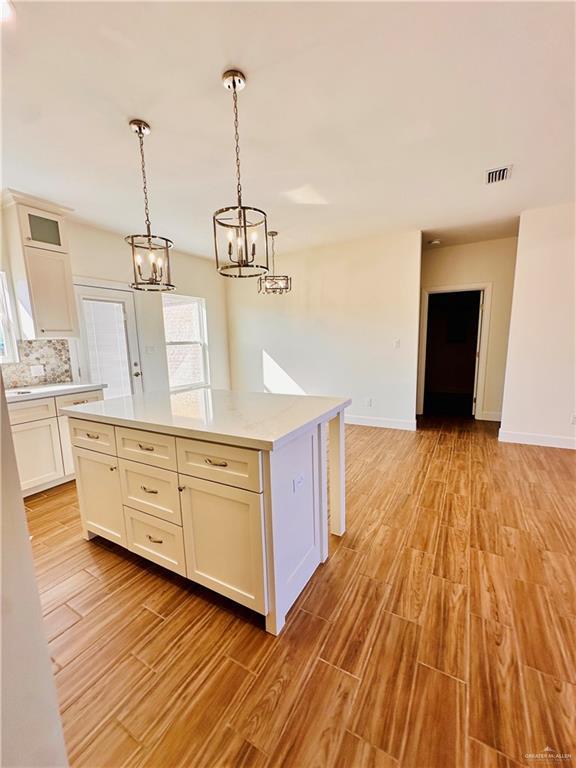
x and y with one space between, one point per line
39 266
41 229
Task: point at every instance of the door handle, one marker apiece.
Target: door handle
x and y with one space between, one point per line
214 463
148 490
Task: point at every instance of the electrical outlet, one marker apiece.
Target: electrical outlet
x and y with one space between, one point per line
37 370
368 402
396 344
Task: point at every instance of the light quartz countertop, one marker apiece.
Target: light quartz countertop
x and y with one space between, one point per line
37 391
247 419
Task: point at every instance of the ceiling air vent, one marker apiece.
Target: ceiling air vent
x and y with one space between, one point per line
498 174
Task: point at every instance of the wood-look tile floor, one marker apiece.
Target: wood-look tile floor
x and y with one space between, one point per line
440 633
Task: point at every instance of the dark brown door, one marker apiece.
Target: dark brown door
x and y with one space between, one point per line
451 343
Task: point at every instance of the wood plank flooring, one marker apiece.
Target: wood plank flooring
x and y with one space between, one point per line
440 633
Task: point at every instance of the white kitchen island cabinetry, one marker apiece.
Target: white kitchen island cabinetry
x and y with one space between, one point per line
227 488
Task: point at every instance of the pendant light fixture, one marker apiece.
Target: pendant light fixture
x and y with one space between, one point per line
273 283
240 231
150 253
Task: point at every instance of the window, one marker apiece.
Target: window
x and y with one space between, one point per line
186 341
8 349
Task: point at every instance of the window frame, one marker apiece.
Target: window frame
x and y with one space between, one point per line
201 303
7 323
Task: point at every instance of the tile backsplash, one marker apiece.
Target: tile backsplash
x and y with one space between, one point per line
50 355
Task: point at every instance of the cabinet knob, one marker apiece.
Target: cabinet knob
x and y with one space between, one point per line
113 468
181 488
137 373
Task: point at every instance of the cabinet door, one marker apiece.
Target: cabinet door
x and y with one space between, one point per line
224 540
66 445
51 292
37 446
99 492
41 229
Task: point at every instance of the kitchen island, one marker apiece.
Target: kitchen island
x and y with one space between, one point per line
227 488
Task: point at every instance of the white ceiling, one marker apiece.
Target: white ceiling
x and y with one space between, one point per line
357 117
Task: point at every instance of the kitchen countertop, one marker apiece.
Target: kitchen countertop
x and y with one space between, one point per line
248 419
18 394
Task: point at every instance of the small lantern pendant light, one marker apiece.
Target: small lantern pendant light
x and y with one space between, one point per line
150 253
240 231
273 283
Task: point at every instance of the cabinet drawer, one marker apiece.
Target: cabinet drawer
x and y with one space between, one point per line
155 539
31 410
93 435
151 490
147 447
239 467
80 398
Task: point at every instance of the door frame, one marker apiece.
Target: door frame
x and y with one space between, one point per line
80 354
483 333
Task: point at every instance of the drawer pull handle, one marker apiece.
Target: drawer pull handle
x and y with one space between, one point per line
214 463
79 402
145 447
148 490
92 436
153 540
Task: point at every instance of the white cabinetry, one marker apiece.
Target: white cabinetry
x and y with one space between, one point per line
42 439
98 483
38 455
39 264
52 304
223 538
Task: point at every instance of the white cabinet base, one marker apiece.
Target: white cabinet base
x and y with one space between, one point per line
38 454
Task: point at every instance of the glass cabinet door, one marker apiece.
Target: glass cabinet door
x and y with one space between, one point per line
42 229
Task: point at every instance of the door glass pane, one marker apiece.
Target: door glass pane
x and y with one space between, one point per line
185 365
108 356
44 230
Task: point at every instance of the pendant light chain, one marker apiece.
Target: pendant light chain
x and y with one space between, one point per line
237 144
144 183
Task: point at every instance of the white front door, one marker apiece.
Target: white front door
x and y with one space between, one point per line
109 339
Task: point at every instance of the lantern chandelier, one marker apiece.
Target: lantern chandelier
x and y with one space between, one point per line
273 283
240 231
150 253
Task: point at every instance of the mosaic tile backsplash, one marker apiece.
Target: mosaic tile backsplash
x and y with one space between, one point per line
53 355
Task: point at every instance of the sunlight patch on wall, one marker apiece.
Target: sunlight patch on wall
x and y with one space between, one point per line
276 379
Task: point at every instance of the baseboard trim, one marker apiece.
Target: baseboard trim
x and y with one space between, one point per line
533 438
489 416
379 421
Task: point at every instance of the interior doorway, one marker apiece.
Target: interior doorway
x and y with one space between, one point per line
453 329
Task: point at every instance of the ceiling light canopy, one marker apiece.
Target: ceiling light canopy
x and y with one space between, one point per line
273 283
150 253
240 231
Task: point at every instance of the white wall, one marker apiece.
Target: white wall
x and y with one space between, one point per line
539 392
335 333
98 253
490 261
31 733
